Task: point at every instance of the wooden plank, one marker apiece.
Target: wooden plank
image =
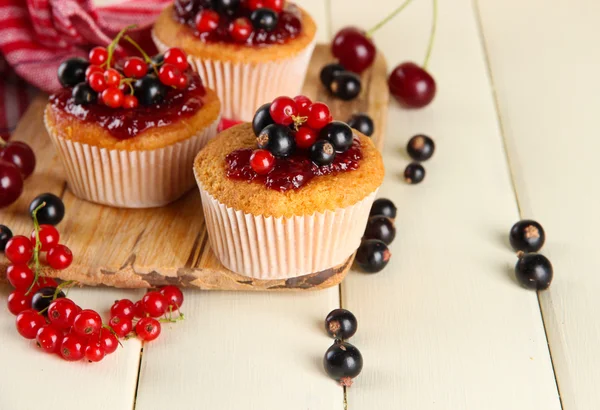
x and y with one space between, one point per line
445 326
30 375
544 63
143 257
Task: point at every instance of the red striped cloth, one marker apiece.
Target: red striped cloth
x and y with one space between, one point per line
37 35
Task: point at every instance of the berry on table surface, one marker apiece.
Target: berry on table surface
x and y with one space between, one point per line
414 173
345 86
174 296
121 325
62 312
52 213
94 352
135 67
48 338
527 236
176 57
262 161
534 271
108 341
207 21
49 237
5 235
328 72
11 183
262 118
382 228
305 137
72 71
155 304
318 116
84 94
412 86
373 255
338 134
362 123
264 19
283 110
87 322
18 302
278 139
322 153
341 324
354 50
139 309
124 308
72 347
42 299
59 257
19 250
20 277
343 362
420 147
147 329
28 323
19 154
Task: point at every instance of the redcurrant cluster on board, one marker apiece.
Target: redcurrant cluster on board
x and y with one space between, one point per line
289 124
17 162
140 80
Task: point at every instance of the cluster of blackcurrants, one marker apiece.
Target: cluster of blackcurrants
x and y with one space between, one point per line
340 83
288 124
533 270
139 80
420 148
373 253
17 162
342 361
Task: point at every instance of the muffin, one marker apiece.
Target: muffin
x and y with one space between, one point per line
281 204
248 55
134 146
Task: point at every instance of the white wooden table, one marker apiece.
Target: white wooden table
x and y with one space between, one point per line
445 326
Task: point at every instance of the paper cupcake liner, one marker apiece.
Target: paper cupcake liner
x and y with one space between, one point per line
243 87
280 248
131 179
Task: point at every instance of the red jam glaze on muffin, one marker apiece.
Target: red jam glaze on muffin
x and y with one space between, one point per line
127 123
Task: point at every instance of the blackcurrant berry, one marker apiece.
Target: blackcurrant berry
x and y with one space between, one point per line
149 90
42 299
72 71
84 94
372 255
5 235
343 362
527 236
52 213
328 72
278 139
534 271
420 147
262 118
362 123
339 134
345 86
414 173
384 207
157 60
382 228
322 153
341 324
264 19
227 6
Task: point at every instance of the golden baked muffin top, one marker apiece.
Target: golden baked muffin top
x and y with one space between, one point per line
327 192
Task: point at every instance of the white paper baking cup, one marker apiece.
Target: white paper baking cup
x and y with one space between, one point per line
280 248
131 179
243 87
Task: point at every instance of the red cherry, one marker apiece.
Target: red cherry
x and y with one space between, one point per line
135 67
262 161
19 250
98 55
49 237
97 81
60 257
303 103
256 4
11 183
61 313
48 338
182 82
283 109
87 322
240 29
412 85
318 115
19 154
173 295
112 77
121 325
276 5
94 352
18 301
20 277
305 137
130 102
108 341
124 308
72 347
93 69
354 50
139 309
147 329
29 322
207 21
112 97
155 304
169 74
176 57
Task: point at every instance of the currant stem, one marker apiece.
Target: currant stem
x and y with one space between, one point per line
36 248
383 22
113 44
144 54
67 284
2 143
432 35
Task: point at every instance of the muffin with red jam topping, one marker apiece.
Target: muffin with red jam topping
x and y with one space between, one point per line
127 135
289 194
249 51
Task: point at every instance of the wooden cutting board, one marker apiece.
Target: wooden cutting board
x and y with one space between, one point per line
152 247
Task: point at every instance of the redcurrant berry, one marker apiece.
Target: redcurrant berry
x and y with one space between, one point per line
182 82
112 97
240 29
169 75
19 250
61 313
97 81
108 341
20 277
303 103
176 57
98 55
155 304
18 302
121 325
318 116
49 237
72 347
262 161
173 295
93 69
48 338
94 352
276 5
147 329
135 67
124 308
59 257
207 21
43 282
29 322
305 137
87 322
256 4
139 309
283 109
112 77
130 102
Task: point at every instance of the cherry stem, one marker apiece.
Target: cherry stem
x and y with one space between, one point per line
383 22
113 44
36 248
432 34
